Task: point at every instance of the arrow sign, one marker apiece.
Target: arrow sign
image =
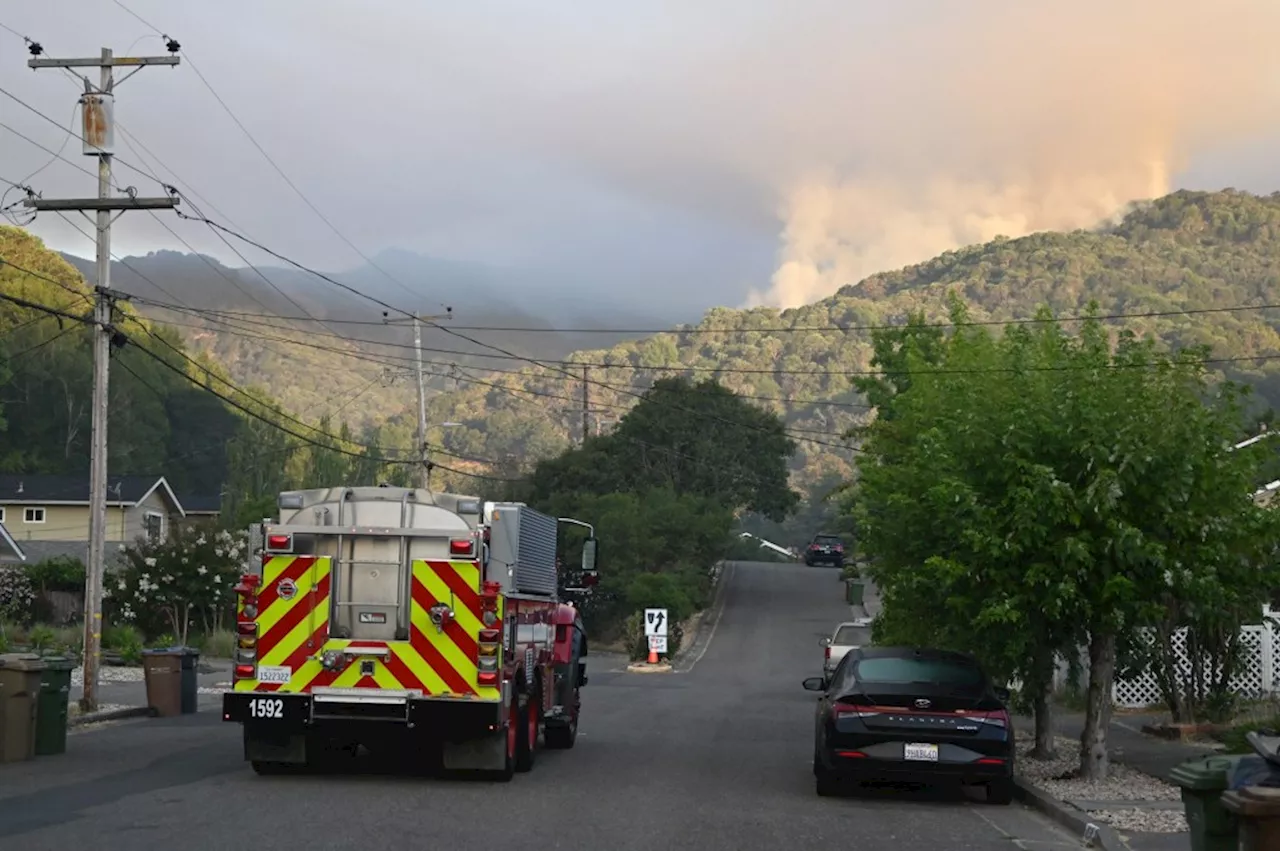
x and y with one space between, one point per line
655 622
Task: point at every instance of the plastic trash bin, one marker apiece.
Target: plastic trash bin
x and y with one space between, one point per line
162 672
1203 782
51 707
1257 811
19 691
190 684
854 592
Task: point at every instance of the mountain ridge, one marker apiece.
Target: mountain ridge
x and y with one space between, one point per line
1199 251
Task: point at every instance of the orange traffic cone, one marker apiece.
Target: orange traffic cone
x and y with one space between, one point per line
653 656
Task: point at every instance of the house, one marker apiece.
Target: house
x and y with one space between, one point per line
9 549
49 515
201 509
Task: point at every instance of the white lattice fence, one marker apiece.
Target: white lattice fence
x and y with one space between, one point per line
1257 674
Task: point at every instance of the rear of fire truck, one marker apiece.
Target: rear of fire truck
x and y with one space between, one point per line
378 620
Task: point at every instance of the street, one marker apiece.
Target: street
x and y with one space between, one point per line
714 756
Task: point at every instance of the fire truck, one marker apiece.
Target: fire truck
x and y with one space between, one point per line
407 622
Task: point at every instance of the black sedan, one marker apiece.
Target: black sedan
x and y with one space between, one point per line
913 715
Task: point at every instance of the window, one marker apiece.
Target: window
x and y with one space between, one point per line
153 525
1 513
33 515
899 671
853 636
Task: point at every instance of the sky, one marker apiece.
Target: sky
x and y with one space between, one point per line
687 154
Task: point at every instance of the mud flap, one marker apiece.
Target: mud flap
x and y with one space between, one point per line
486 753
283 748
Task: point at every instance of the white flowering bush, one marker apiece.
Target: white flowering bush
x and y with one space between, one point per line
166 586
17 595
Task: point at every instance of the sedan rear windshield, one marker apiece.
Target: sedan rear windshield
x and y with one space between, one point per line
853 636
902 671
826 540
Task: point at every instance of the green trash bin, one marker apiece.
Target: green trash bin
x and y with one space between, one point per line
190 684
1213 827
853 591
51 707
19 691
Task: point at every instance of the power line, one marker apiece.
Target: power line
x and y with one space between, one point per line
271 161
40 345
305 439
680 330
405 362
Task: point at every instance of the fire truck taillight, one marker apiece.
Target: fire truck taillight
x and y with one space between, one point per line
280 543
246 667
488 649
461 546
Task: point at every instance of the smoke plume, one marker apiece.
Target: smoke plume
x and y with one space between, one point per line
1005 118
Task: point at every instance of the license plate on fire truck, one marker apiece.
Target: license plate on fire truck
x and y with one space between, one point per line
274 674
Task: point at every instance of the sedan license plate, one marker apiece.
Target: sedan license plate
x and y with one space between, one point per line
920 753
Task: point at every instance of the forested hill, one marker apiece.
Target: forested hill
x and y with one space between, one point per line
1188 251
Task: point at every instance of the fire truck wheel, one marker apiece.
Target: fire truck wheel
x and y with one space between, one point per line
562 738
527 746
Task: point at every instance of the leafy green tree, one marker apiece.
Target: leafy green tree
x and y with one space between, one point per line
1039 489
695 439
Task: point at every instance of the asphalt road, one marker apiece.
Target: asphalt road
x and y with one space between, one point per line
715 756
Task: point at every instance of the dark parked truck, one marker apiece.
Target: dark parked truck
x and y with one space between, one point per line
406 622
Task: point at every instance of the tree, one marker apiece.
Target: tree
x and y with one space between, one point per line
695 439
1039 489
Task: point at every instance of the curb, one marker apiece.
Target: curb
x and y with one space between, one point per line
646 668
1104 835
110 715
710 620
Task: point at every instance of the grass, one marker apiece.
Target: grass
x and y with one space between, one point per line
219 644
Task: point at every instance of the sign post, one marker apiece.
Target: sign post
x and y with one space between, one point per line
655 629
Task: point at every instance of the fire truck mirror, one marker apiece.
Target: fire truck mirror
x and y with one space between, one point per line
589 548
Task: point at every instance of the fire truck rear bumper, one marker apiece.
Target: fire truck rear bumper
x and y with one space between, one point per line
296 713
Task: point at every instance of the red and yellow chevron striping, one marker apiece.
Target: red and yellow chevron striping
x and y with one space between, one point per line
293 630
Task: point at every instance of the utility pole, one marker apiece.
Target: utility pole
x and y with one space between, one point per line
98 137
586 403
424 451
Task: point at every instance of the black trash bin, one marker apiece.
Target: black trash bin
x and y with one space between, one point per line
190 682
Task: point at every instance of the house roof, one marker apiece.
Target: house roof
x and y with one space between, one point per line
22 489
193 504
9 547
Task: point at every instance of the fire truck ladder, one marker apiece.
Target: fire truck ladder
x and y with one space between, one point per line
342 601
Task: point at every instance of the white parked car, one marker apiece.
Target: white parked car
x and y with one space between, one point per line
847 636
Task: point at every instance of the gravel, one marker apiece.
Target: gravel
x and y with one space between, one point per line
107 674
1125 786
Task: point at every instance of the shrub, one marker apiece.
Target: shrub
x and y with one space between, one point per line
125 640
660 591
42 638
17 595
60 573
189 575
220 643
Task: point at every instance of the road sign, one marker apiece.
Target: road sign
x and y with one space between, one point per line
658 643
655 622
